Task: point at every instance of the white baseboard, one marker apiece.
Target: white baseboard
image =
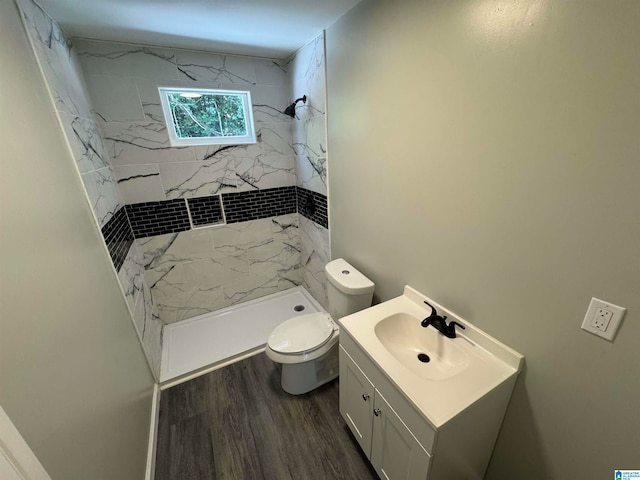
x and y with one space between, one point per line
153 434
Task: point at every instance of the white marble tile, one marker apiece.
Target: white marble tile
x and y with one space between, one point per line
136 291
315 254
271 248
197 179
236 237
107 58
253 286
268 104
57 60
187 274
86 142
169 290
311 153
149 325
208 281
217 69
273 139
130 276
275 240
286 228
218 152
159 255
272 258
115 98
271 72
150 99
250 259
307 76
307 73
199 301
103 193
215 271
139 183
190 246
204 270
265 172
276 139
138 143
166 313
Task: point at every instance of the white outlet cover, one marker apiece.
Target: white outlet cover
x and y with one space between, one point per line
614 323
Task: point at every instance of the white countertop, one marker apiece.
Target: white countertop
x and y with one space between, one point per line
490 362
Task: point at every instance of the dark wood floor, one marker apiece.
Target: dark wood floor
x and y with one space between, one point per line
236 423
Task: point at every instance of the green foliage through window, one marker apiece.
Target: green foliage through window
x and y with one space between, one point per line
198 116
207 115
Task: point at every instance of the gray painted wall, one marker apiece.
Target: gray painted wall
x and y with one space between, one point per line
487 153
73 377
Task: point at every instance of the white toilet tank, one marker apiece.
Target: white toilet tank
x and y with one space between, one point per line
348 290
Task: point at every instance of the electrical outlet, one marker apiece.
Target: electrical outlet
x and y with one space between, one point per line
603 318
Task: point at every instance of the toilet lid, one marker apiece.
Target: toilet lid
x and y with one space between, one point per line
301 334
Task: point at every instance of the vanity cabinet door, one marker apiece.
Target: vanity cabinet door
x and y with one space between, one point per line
356 400
395 452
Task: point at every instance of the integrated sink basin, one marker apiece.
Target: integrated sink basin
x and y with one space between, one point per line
440 376
424 351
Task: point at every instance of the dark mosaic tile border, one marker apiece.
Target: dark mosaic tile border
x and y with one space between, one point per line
205 211
158 218
118 237
256 204
312 205
169 216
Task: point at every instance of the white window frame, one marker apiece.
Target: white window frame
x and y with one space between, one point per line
176 141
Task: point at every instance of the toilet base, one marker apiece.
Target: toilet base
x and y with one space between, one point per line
299 378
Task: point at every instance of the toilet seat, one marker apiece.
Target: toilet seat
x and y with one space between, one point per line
302 334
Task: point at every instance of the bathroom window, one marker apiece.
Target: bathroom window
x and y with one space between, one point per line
207 117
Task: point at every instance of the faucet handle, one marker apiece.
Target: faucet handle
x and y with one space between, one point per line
433 310
434 314
451 328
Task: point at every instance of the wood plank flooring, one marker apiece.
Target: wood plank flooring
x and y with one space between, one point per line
236 423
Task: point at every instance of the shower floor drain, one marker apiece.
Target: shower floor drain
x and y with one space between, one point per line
298 308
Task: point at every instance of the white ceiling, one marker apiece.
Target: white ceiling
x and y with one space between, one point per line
267 28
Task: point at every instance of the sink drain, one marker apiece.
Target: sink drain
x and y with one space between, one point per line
298 308
423 357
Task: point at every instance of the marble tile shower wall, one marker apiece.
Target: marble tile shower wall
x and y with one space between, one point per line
64 79
307 77
196 271
108 106
123 79
202 270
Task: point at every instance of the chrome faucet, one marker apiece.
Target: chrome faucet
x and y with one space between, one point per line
440 323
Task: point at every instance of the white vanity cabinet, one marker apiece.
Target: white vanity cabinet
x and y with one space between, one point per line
389 444
395 452
399 440
357 401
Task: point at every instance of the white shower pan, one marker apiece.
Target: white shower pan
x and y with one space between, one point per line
201 344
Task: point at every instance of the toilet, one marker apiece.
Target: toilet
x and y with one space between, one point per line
307 346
